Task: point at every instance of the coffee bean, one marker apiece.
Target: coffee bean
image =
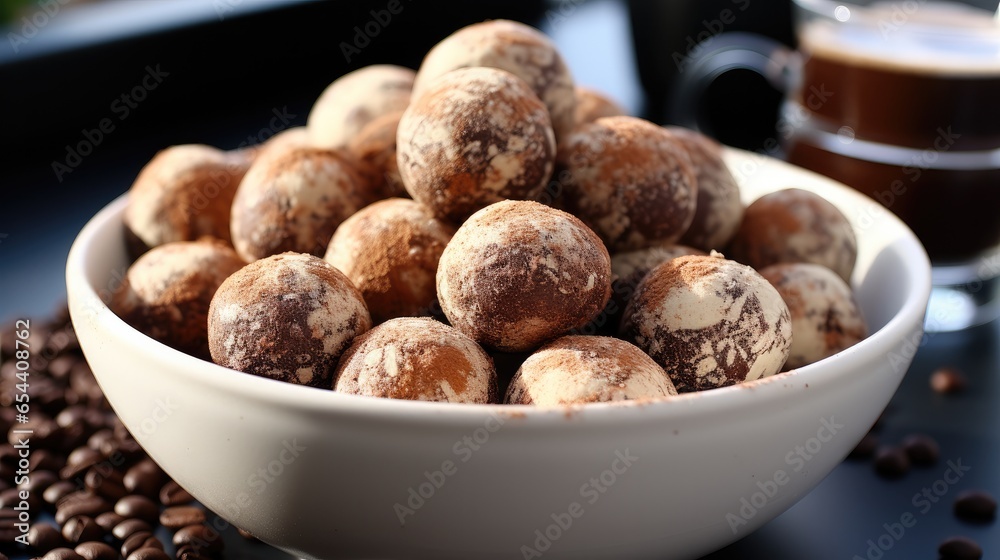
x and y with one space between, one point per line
192 553
108 520
976 506
82 529
960 548
138 506
173 495
138 541
177 517
100 438
80 503
891 462
865 448
96 551
105 482
43 537
62 554
921 449
129 527
948 381
146 478
60 366
58 490
81 459
200 537
149 554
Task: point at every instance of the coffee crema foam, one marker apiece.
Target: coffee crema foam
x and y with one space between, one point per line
935 38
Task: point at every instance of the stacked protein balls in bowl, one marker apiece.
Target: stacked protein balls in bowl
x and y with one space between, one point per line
424 223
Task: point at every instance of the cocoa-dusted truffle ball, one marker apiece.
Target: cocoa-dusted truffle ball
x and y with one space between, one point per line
710 322
517 48
354 100
586 369
417 359
592 105
719 210
794 225
628 179
182 194
289 139
167 292
287 317
474 137
825 317
518 273
293 201
390 251
374 148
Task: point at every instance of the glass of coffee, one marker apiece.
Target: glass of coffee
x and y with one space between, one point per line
901 101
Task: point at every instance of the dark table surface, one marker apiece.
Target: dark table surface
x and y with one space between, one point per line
843 518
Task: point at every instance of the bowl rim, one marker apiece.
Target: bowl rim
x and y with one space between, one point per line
84 298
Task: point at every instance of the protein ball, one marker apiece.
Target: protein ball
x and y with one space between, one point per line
519 273
630 180
293 201
182 194
719 210
587 369
474 137
825 317
710 322
284 141
167 292
517 48
417 359
390 251
354 100
374 148
794 225
592 105
287 317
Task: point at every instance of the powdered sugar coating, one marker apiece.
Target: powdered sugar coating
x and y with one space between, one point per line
417 359
629 180
474 137
167 292
293 201
592 105
354 100
183 193
710 322
518 273
390 251
719 210
517 48
586 369
287 317
825 317
795 225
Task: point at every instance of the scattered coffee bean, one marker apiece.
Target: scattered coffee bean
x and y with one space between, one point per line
960 548
140 540
921 449
948 380
43 537
96 551
178 517
129 527
173 495
100 438
149 554
62 554
137 506
192 553
891 462
105 482
80 503
865 448
82 529
58 490
145 478
976 505
200 537
108 520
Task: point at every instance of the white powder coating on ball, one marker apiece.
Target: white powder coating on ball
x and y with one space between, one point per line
516 48
825 317
583 369
417 359
592 105
354 100
633 265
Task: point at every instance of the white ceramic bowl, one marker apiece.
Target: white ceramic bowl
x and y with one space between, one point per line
325 475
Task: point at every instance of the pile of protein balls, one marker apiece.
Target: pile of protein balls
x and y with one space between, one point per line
423 222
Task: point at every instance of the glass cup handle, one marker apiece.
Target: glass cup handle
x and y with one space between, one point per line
725 52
